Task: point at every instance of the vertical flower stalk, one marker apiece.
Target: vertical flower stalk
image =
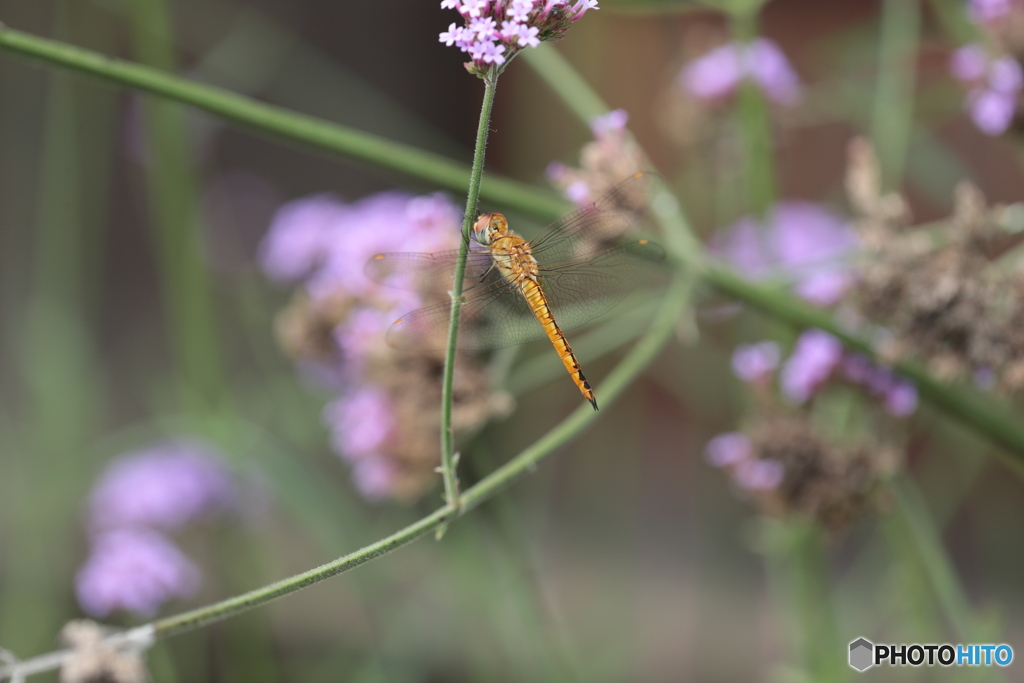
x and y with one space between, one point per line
448 459
495 31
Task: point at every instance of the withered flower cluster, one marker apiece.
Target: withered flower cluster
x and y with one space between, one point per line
833 482
411 383
951 293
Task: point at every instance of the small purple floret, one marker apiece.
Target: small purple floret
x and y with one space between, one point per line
759 475
136 570
728 449
799 240
719 72
751 362
165 486
994 85
814 357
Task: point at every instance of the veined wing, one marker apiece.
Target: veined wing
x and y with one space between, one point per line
496 314
579 291
593 228
426 272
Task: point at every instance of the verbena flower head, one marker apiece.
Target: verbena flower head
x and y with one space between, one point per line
982 11
735 452
799 240
136 570
612 156
164 486
759 475
496 30
719 72
796 468
728 449
814 357
752 362
383 421
994 83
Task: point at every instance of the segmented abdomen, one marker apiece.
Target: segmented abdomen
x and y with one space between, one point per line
534 294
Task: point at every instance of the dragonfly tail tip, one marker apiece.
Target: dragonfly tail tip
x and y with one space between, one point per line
593 402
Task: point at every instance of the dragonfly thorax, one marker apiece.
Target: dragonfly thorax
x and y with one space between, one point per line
489 227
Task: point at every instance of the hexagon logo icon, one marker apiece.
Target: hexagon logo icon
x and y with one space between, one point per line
861 651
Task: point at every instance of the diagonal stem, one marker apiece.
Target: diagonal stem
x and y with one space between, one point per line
268 119
619 379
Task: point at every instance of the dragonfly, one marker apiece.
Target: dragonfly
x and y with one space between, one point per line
517 290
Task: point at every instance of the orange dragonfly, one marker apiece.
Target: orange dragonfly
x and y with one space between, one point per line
517 290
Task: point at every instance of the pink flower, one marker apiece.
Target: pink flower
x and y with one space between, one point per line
718 73
375 478
751 362
615 120
299 237
726 450
360 422
524 23
799 240
900 400
982 11
135 570
814 357
361 419
758 475
164 486
994 85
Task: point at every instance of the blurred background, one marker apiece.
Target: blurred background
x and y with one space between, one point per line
137 311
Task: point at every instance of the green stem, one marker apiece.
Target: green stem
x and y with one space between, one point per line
995 421
918 527
755 131
892 119
317 133
564 80
448 464
174 207
638 358
813 604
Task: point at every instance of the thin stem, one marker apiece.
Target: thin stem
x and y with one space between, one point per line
631 366
174 208
755 131
448 464
989 418
892 118
920 530
317 133
983 415
796 553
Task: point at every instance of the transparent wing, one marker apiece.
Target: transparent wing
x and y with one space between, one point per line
596 227
425 272
496 314
579 291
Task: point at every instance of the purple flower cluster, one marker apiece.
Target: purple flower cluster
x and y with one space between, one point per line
132 564
994 84
612 156
495 30
816 358
983 11
799 240
608 129
718 73
753 362
735 452
324 243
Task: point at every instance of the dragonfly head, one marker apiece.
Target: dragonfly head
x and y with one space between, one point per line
489 227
